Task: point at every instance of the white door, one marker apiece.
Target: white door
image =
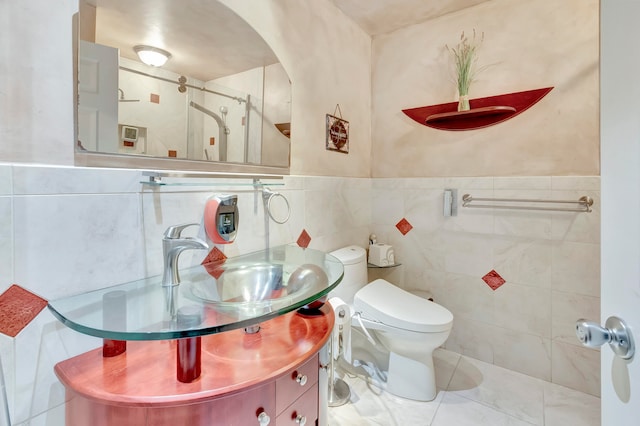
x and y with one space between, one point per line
620 169
98 97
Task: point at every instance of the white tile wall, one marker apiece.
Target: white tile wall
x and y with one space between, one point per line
473 338
525 261
523 309
68 243
576 367
576 268
6 236
550 261
523 352
38 348
6 226
72 230
565 309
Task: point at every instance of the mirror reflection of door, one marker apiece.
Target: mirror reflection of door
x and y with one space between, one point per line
98 101
218 98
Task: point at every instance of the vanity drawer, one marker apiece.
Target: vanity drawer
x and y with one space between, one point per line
304 411
240 409
290 386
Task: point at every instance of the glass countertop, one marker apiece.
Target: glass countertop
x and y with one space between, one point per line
241 292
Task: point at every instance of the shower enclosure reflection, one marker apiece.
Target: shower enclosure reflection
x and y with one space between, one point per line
223 130
190 108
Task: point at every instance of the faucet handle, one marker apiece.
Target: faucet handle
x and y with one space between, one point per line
174 231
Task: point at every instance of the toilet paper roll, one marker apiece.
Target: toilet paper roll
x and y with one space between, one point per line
381 255
342 326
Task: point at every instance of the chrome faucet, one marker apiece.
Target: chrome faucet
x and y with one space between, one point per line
172 245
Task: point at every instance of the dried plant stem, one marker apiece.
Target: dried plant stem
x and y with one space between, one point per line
464 55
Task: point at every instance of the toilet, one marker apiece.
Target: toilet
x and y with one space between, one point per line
408 326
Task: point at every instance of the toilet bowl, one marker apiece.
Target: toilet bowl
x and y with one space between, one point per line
408 326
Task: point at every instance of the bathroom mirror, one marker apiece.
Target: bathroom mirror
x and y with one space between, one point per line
221 102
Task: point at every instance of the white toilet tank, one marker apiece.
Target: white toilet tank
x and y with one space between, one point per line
354 259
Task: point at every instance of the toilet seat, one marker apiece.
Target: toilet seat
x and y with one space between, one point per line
384 302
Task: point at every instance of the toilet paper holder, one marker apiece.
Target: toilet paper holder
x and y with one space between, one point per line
339 391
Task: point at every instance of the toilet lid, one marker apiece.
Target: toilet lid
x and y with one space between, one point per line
384 302
350 255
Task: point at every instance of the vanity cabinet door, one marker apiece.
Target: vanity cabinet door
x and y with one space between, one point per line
81 411
240 409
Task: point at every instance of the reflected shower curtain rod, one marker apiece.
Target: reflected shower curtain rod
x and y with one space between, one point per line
168 80
584 203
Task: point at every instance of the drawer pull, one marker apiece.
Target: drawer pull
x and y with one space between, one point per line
301 379
264 419
301 420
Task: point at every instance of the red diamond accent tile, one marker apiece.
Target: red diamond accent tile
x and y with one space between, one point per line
304 239
212 262
18 307
493 280
214 256
404 226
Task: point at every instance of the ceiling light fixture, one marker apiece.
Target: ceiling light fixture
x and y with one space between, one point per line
152 56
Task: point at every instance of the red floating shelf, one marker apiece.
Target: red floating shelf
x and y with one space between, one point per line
484 112
471 114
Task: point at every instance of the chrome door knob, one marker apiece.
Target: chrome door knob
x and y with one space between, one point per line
591 334
301 420
301 379
615 332
263 419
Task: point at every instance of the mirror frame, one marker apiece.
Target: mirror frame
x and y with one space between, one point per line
136 162
123 161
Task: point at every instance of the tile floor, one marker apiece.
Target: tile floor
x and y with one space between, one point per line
470 392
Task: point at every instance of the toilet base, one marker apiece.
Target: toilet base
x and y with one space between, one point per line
411 379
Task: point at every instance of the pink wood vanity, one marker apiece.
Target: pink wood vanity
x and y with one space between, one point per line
266 378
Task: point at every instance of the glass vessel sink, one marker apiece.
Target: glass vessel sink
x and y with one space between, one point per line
256 285
241 292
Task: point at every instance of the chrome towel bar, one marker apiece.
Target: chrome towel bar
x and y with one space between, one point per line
583 204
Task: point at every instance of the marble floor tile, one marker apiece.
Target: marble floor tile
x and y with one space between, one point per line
460 411
369 405
470 392
564 406
516 394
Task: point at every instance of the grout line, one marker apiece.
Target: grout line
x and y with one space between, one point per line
493 408
446 390
454 370
435 413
